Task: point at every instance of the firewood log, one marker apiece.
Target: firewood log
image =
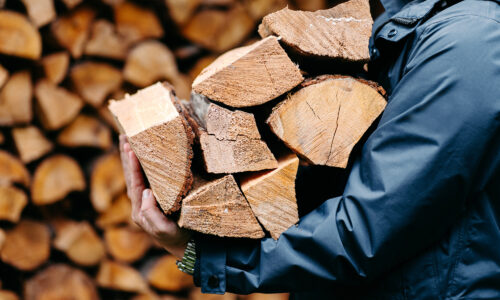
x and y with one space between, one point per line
148 63
70 4
12 203
15 99
164 275
8 295
31 144
271 195
86 131
250 75
126 244
12 170
94 81
136 23
2 138
118 276
181 10
40 12
104 41
201 64
2 239
71 31
161 139
107 181
218 207
60 282
55 178
56 105
259 8
55 66
323 33
4 75
27 246
118 213
324 120
79 241
18 36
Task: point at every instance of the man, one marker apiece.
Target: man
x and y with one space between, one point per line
419 217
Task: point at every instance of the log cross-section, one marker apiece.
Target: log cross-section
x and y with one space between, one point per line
18 36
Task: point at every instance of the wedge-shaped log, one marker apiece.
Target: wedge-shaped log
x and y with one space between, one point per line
181 10
12 170
2 239
55 66
40 12
60 282
164 275
259 8
219 208
15 100
54 178
18 36
12 203
271 195
106 181
71 31
250 75
161 139
31 144
117 213
8 295
136 23
118 276
4 75
104 41
127 244
341 32
324 120
70 4
86 131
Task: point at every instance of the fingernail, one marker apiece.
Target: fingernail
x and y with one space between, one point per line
146 193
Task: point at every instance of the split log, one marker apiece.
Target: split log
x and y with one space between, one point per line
323 33
196 294
117 276
2 239
181 10
70 4
104 41
182 86
136 23
219 30
161 139
107 181
4 76
79 241
259 8
31 144
118 213
12 170
71 31
15 99
271 195
55 66
250 75
12 203
148 63
230 140
164 275
55 178
40 12
56 105
201 64
127 244
8 295
60 282
27 246
86 131
18 36
94 81
2 138
219 208
324 120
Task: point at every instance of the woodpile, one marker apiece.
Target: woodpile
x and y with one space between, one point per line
217 160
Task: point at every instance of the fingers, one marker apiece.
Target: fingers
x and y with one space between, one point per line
155 220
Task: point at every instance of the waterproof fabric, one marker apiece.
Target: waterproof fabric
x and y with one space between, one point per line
420 213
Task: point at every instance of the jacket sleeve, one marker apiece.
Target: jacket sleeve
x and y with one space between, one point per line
410 183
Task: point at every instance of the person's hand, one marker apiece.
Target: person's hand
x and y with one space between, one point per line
145 212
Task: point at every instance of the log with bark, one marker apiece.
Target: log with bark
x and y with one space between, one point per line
86 131
105 41
118 213
136 23
31 143
71 31
119 276
18 36
55 66
126 244
164 275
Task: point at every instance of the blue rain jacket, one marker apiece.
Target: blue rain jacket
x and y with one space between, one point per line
419 217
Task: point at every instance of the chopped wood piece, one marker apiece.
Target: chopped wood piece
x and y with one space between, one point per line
196 294
2 138
27 246
201 64
12 203
86 131
57 106
182 86
4 75
60 282
55 178
8 295
12 170
259 8
250 75
310 5
94 81
18 36
2 239
40 12
161 139
164 275
31 144
271 195
323 33
118 213
219 208
15 99
117 276
55 66
79 241
107 181
149 62
104 41
219 30
230 140
181 10
71 31
324 120
70 4
136 23
127 244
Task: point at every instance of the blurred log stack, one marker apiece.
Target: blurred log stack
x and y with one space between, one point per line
65 228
